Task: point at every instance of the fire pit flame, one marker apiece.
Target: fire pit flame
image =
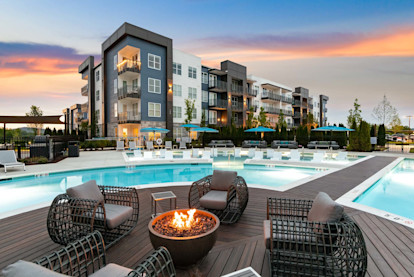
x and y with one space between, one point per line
184 221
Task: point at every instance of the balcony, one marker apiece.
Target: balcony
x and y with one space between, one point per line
129 92
129 117
238 121
85 90
251 106
217 86
251 92
271 110
296 103
219 104
297 115
128 67
237 90
267 95
310 106
287 112
286 99
237 107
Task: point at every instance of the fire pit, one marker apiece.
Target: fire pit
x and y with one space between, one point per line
187 234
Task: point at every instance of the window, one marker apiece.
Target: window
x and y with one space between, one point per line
177 112
135 84
116 109
154 109
212 117
205 96
177 68
177 90
115 86
194 113
154 85
97 76
192 93
154 61
205 112
204 77
192 72
115 61
135 109
212 80
179 132
212 99
97 95
98 115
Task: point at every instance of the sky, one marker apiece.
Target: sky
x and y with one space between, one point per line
342 49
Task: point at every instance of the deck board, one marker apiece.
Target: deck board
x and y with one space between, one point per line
390 245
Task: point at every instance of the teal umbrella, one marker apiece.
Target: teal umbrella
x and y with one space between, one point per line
154 130
205 129
189 126
261 130
332 129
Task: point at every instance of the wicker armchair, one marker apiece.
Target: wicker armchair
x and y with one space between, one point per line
114 212
299 247
87 255
233 194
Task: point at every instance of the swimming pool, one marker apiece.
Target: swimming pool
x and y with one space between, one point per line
394 192
23 192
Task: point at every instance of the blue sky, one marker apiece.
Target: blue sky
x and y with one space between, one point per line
344 49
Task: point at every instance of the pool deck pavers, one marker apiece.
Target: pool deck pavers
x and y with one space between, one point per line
390 245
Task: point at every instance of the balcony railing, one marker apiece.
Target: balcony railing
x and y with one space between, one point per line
217 85
272 110
237 89
129 117
218 103
271 95
296 115
84 90
286 99
129 66
238 121
251 92
296 103
251 106
237 106
310 106
129 92
287 112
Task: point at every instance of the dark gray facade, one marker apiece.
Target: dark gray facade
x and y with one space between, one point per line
301 105
87 71
204 87
323 119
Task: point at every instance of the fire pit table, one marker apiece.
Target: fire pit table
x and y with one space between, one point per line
187 234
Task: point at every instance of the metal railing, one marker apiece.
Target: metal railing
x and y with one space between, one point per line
272 110
251 92
237 106
84 90
297 115
129 91
252 106
271 95
236 89
218 84
129 66
129 117
287 99
219 103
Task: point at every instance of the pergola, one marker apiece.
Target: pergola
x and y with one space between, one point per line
49 119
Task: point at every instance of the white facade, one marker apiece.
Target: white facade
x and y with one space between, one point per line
186 85
98 95
316 108
273 107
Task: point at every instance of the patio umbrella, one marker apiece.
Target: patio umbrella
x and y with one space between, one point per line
205 129
332 129
189 126
154 130
261 130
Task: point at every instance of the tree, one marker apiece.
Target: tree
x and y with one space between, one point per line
262 118
384 112
355 113
310 121
189 108
250 118
353 137
395 124
203 119
281 120
381 135
364 137
283 133
302 135
37 112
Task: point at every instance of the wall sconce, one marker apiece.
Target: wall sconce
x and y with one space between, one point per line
169 88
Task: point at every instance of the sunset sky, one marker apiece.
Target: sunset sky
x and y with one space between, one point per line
343 49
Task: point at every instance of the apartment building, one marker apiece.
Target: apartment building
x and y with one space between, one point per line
320 110
142 81
274 98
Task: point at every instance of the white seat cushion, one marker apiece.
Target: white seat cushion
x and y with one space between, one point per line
214 199
112 270
115 215
28 269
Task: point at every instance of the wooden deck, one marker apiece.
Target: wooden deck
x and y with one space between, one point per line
390 245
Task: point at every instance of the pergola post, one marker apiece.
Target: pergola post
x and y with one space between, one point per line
4 133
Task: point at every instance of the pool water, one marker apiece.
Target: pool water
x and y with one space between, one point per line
26 191
393 193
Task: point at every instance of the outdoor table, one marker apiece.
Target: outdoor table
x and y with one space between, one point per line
158 196
245 272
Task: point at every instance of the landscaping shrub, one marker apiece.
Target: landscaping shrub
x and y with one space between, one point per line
381 135
35 160
302 135
97 144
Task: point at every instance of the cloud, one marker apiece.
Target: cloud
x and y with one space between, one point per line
17 58
395 42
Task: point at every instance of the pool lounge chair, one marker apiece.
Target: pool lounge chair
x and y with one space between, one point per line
187 155
270 153
237 152
162 154
313 238
150 145
183 145
8 160
214 152
168 145
224 193
195 153
342 156
294 156
120 145
88 207
132 145
169 155
251 153
277 156
206 155
137 153
258 155
318 157
87 257
148 155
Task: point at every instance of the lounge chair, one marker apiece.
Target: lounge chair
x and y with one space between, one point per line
149 145
214 152
195 152
237 152
270 153
162 153
137 153
258 155
294 156
206 155
342 156
168 145
169 155
186 155
148 155
251 153
183 145
88 207
313 238
132 145
86 257
277 156
224 193
318 157
8 160
120 145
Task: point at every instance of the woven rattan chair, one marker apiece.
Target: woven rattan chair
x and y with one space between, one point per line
224 193
86 256
299 247
111 210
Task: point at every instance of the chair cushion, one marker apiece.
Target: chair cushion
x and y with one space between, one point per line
112 270
324 209
116 215
88 190
28 269
214 199
222 179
